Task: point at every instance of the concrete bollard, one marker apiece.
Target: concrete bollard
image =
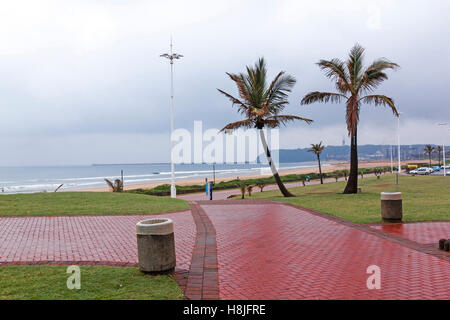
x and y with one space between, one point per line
156 245
441 244
391 206
447 245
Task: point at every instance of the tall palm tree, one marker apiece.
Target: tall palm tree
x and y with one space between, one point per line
428 150
317 149
261 104
439 151
354 85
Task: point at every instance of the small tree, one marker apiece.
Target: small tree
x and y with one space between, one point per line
439 151
317 150
117 186
428 150
243 186
261 186
249 190
345 174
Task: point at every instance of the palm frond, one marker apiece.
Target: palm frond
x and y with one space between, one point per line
323 97
283 119
380 100
317 148
110 184
355 64
375 75
335 70
247 123
242 108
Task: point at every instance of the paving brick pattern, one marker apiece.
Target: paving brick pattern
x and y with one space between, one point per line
102 240
274 251
423 232
202 278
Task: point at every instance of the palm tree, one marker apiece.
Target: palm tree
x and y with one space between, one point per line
317 149
354 85
242 186
261 105
428 150
116 186
439 151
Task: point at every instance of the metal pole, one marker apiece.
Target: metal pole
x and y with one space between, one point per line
443 146
171 56
445 170
392 162
398 142
173 189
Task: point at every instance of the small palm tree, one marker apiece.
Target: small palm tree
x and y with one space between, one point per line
261 105
261 186
317 150
353 84
439 151
243 186
117 186
428 150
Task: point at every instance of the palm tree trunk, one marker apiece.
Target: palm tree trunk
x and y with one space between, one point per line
439 159
352 183
320 170
280 184
429 157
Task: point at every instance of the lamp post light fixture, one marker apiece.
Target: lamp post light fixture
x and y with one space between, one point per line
171 56
444 124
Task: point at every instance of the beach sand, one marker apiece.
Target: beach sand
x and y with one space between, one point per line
327 168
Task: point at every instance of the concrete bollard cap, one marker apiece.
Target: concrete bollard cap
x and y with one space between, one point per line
159 226
391 196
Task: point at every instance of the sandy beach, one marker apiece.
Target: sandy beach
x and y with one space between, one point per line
327 168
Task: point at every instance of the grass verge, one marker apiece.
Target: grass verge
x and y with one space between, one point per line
99 283
425 198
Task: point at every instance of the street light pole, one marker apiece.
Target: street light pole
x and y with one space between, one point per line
398 142
392 162
443 147
171 57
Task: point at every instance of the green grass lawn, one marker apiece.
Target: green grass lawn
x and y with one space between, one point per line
425 198
86 203
49 282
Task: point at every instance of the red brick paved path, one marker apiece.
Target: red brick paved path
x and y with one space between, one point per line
275 251
103 240
253 249
202 282
424 232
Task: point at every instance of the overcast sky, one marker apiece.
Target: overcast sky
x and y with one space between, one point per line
82 81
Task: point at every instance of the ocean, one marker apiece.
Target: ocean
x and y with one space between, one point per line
47 179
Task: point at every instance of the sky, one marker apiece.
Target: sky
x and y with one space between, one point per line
82 81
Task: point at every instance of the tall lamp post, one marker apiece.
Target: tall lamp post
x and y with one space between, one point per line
171 57
398 143
443 147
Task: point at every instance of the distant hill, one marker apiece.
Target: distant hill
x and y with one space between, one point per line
365 152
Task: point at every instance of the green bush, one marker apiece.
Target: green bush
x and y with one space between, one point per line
164 189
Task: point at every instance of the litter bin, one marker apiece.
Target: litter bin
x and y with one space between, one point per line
156 245
391 206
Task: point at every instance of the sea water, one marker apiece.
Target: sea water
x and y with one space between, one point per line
47 179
